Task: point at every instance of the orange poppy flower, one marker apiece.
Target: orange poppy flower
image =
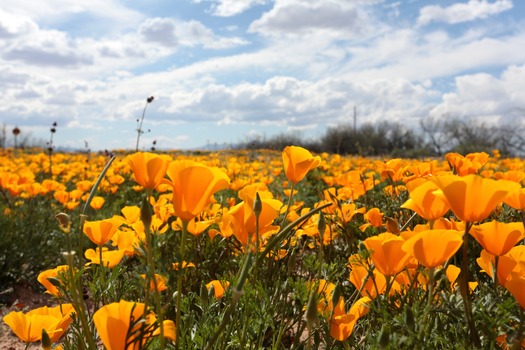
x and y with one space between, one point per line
469 164
433 247
374 218
101 231
497 237
148 168
516 286
113 323
298 162
110 258
161 282
28 327
372 286
425 203
194 185
51 273
387 255
342 325
219 287
513 261
516 199
472 198
97 202
242 217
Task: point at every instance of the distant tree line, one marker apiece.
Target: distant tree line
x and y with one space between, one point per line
432 137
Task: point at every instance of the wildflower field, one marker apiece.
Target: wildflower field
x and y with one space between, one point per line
264 250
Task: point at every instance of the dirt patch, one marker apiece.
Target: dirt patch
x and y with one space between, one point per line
19 298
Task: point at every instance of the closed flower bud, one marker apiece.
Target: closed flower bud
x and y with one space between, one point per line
64 222
311 309
321 224
257 205
409 319
384 337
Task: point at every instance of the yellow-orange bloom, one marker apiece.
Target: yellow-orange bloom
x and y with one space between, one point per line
387 255
433 247
512 262
28 327
113 322
242 217
516 286
97 202
472 198
298 162
425 203
219 287
516 199
159 280
498 238
194 185
342 325
148 168
110 258
469 164
101 231
51 273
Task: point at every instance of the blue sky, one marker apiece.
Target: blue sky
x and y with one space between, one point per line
224 71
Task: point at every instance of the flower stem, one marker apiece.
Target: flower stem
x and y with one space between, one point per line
464 287
180 339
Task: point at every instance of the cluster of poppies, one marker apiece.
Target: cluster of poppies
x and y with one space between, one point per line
180 196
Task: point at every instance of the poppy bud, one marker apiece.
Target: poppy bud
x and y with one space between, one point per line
409 319
46 341
146 213
204 294
64 222
336 295
384 337
321 224
257 205
311 309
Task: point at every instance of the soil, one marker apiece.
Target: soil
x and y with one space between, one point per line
19 298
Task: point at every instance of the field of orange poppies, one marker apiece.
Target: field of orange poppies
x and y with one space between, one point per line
264 250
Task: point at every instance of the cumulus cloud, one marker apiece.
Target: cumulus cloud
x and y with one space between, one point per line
109 13
169 32
160 30
288 101
494 99
462 12
47 48
13 25
228 8
302 17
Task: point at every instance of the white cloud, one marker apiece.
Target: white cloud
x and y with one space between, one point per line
304 17
287 101
170 32
407 54
462 12
160 30
227 8
13 25
109 13
494 99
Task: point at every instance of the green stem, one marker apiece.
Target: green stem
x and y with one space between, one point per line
78 302
180 339
464 287
289 204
